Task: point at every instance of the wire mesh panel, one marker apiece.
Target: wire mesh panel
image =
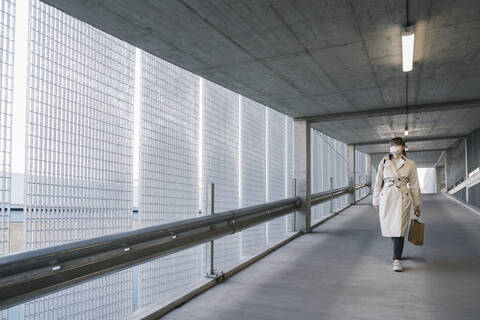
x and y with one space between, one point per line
169 169
276 149
79 153
7 24
360 173
329 171
252 169
220 160
290 186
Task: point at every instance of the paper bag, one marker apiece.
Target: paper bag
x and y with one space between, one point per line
415 234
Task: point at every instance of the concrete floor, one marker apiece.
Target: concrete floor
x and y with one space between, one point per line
343 271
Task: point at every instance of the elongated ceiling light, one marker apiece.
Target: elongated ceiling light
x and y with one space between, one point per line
408 39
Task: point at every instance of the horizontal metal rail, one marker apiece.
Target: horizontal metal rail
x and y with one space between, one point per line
27 275
360 186
317 198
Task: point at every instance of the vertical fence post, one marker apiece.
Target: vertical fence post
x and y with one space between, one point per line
212 211
213 274
331 201
294 215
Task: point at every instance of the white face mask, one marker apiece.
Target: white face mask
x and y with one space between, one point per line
395 150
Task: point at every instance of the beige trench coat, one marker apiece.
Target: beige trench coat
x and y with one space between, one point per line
394 193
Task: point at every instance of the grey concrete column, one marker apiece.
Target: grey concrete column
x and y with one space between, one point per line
440 178
302 173
351 171
368 164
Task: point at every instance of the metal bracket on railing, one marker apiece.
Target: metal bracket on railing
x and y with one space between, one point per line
219 276
231 223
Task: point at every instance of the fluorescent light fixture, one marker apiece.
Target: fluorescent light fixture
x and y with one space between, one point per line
406 129
408 39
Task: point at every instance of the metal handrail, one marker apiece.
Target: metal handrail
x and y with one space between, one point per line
27 275
360 186
317 198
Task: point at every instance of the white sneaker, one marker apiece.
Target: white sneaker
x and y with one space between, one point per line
397 266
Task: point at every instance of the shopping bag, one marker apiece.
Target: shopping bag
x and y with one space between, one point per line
415 234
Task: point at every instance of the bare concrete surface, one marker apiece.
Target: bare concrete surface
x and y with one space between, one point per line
313 58
343 271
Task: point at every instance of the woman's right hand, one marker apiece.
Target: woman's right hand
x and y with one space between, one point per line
376 207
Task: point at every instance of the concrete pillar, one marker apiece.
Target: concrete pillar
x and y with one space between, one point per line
368 164
302 173
440 178
351 171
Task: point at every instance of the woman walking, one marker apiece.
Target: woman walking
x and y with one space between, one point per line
396 185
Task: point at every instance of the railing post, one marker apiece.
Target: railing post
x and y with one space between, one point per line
351 172
331 188
302 173
294 215
212 274
212 210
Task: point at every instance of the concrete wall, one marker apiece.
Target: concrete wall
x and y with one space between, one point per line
456 164
473 162
462 169
473 150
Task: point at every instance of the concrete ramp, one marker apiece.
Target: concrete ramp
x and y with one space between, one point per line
343 271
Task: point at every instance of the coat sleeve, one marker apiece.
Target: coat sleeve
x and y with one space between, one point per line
415 187
378 184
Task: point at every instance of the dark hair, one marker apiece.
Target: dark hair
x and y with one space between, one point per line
398 141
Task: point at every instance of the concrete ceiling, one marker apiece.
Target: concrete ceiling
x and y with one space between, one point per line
367 132
317 57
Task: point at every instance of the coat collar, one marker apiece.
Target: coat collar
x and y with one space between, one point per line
402 161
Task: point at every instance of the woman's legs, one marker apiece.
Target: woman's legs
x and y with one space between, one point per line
397 247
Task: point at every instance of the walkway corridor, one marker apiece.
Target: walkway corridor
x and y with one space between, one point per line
343 271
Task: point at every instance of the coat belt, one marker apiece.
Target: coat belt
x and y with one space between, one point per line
397 182
401 179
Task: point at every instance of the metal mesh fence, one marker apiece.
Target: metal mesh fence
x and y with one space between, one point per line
361 173
79 143
7 29
276 169
220 161
329 171
79 153
252 169
168 170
